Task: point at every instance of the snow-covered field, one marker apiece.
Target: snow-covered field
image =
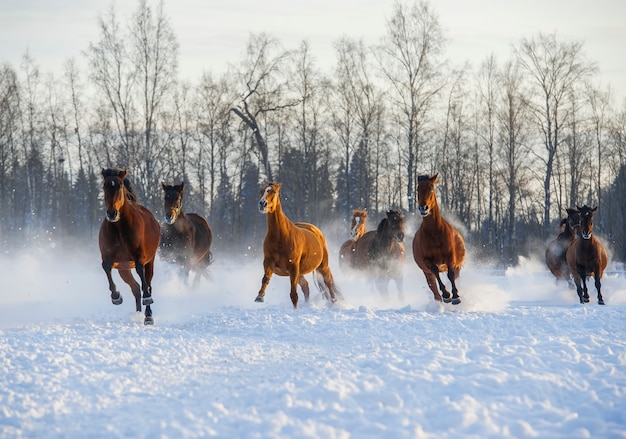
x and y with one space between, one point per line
518 358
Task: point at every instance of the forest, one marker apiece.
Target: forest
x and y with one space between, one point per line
515 141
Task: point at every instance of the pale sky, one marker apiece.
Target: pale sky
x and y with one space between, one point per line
213 33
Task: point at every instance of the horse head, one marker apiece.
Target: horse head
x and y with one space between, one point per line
572 222
426 198
114 192
269 197
359 217
173 201
392 226
586 221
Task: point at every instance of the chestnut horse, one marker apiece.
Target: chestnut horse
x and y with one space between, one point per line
437 245
381 254
186 237
292 249
586 256
556 250
357 229
129 238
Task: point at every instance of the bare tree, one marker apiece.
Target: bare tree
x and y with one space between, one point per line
554 68
263 90
409 57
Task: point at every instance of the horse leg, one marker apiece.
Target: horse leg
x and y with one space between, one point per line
264 282
382 284
444 292
145 286
107 266
455 292
585 290
305 287
127 276
324 270
579 288
598 285
149 274
431 281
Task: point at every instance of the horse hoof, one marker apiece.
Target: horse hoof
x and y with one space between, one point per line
456 301
601 302
259 299
147 300
117 301
148 321
447 300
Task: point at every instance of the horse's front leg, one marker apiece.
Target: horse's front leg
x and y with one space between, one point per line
585 290
444 291
431 280
107 266
127 276
455 292
264 282
598 285
294 278
579 288
145 286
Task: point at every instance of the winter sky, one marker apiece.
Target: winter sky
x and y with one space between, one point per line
213 33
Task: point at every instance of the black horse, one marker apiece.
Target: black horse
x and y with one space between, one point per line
380 253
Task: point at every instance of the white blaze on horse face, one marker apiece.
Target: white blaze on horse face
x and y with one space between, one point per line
355 229
263 201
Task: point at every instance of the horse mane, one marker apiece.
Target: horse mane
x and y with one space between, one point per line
131 193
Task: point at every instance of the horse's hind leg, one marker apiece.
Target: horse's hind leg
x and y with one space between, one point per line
455 292
324 270
305 287
127 276
107 266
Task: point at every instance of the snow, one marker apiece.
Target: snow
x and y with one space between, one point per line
520 357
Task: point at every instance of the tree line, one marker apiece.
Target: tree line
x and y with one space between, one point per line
514 141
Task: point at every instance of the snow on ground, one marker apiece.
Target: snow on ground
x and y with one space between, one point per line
518 358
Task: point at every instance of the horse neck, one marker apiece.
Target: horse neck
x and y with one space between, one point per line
434 219
277 222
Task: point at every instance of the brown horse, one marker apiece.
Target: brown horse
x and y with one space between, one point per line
129 238
292 249
357 229
586 256
186 237
380 252
556 250
437 245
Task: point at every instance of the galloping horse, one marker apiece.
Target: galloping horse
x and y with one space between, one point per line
186 237
357 229
292 249
381 252
437 245
556 250
129 238
586 256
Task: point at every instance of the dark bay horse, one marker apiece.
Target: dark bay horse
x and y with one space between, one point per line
380 253
556 250
185 237
129 238
437 245
357 229
586 256
292 249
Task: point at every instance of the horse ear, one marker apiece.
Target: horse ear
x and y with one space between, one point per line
434 177
122 174
181 187
164 186
104 172
594 209
277 186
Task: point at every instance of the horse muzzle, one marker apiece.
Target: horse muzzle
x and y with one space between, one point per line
400 236
263 206
424 210
113 216
585 235
170 217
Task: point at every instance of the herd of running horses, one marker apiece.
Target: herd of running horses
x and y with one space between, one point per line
130 237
